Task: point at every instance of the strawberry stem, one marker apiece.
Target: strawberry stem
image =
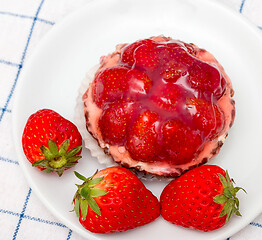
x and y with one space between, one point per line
58 159
58 162
86 194
228 197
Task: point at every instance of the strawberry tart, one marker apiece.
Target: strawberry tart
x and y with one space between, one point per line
159 106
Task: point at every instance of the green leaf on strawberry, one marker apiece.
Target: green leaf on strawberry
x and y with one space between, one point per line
86 193
228 197
58 159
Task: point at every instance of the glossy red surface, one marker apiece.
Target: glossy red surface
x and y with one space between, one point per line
173 96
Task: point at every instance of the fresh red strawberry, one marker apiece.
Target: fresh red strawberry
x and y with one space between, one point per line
114 200
51 142
141 54
142 141
207 116
114 121
207 79
203 198
180 142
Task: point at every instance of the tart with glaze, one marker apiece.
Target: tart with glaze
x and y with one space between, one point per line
159 106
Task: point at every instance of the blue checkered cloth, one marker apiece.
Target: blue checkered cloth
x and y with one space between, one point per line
22 25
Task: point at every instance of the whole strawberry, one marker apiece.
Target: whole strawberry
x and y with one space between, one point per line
50 142
114 200
203 198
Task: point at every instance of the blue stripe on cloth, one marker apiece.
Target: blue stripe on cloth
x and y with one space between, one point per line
8 160
22 214
27 17
256 224
9 63
22 60
15 15
241 6
69 234
45 21
35 219
260 27
9 212
45 221
6 110
10 94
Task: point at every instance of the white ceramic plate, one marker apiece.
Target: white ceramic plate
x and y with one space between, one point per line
54 72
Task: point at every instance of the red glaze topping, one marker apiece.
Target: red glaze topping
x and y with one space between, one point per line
160 101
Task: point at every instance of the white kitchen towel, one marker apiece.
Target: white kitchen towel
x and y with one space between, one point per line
23 23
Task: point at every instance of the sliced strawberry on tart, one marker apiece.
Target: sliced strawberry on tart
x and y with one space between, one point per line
160 106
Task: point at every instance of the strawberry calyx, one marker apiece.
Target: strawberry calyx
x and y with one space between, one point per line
228 197
85 195
58 159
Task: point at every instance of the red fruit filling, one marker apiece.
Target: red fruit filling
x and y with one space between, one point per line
114 122
120 82
160 101
206 116
142 141
180 142
169 97
207 79
141 54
